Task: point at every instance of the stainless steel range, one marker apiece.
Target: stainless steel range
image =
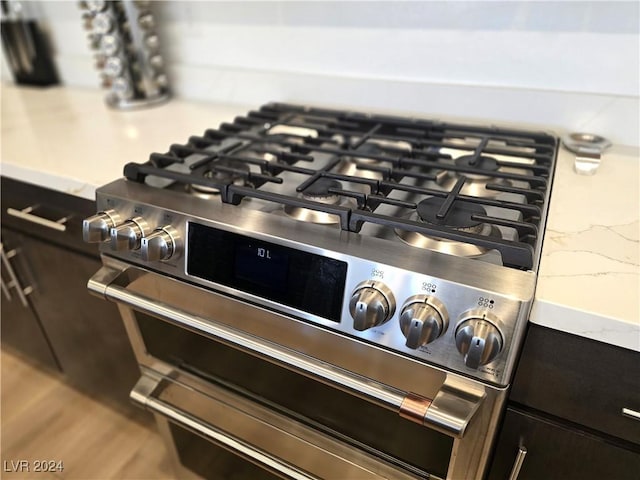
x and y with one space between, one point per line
315 293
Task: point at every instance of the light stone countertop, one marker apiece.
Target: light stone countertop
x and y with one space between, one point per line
589 276
589 279
66 139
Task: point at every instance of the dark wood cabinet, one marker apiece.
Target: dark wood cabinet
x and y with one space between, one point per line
565 408
86 332
21 329
70 330
581 380
559 451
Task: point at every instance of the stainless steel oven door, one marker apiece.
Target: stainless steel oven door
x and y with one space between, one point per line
219 434
394 412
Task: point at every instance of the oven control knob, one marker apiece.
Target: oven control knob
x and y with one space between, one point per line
479 339
97 228
422 320
372 303
128 235
159 245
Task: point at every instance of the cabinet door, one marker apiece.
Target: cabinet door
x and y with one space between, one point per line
581 380
86 332
21 330
555 451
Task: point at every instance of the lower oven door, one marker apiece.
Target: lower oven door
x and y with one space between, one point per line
291 399
219 434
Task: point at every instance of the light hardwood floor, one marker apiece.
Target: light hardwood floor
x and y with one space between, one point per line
44 419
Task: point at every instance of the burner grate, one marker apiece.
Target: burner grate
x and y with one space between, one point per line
403 156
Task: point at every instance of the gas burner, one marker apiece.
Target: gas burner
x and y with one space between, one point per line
476 182
487 164
390 146
458 218
262 151
319 192
360 166
223 177
293 133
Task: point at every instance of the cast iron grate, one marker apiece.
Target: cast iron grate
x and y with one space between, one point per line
407 153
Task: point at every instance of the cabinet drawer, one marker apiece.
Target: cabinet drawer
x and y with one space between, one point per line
557 452
581 380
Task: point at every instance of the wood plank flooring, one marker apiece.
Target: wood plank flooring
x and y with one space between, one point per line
44 419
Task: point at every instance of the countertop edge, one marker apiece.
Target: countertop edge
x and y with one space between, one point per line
64 184
612 331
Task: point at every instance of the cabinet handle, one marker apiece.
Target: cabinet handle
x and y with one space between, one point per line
517 464
627 412
26 214
5 289
14 282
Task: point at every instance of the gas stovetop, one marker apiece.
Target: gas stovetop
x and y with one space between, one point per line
469 191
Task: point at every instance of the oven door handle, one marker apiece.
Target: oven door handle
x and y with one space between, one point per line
449 412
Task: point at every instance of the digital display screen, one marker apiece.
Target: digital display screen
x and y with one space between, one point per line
305 281
261 264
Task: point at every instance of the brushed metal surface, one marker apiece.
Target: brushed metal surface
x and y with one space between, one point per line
371 304
479 339
160 244
127 236
423 319
97 228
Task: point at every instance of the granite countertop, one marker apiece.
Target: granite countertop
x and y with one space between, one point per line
589 279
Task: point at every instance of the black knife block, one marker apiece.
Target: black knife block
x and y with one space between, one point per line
27 52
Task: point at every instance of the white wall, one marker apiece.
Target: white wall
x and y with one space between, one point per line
568 65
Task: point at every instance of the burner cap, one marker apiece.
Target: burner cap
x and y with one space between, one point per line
222 177
370 148
488 164
319 190
459 216
479 175
263 151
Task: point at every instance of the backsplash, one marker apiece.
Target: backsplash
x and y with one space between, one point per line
560 65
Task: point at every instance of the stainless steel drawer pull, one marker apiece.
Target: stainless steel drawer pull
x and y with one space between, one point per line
13 278
627 412
5 289
142 395
26 214
517 464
